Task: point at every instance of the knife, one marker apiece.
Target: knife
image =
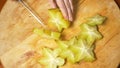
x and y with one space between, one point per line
33 13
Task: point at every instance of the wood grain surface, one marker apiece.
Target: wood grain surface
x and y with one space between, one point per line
16 24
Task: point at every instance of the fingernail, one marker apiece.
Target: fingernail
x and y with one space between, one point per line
71 19
66 17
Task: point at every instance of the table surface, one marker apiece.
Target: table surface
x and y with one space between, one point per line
16 24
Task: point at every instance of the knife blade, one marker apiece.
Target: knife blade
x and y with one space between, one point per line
32 12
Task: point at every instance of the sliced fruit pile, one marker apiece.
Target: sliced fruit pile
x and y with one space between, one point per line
57 19
79 48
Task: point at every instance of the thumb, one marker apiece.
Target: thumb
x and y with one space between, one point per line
53 3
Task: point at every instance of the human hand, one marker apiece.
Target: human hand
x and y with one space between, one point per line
65 6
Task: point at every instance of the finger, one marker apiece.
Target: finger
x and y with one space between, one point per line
69 10
71 5
63 8
53 3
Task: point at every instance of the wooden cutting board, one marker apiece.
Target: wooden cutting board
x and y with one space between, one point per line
16 24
